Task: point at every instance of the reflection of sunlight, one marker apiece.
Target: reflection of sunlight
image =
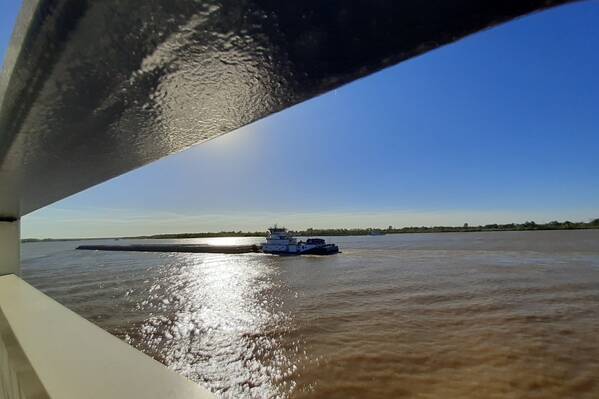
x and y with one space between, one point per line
218 320
226 240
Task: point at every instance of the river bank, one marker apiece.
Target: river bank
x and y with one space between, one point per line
311 232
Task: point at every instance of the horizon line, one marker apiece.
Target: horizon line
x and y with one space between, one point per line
591 221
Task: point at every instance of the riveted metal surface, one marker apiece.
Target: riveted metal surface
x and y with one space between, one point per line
98 88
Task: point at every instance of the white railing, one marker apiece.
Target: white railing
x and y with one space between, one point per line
48 351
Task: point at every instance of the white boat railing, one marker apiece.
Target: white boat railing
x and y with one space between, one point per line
48 351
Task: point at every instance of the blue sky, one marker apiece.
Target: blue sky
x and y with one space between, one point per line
502 126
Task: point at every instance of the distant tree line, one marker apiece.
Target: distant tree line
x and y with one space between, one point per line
206 235
529 225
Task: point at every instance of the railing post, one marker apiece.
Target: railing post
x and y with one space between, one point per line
10 246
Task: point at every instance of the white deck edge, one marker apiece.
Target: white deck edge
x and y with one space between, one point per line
75 359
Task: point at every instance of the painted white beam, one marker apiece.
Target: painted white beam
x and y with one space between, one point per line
73 358
10 247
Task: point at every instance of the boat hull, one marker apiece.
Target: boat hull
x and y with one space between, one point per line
324 250
328 249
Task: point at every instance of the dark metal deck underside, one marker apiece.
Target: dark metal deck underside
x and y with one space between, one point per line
93 89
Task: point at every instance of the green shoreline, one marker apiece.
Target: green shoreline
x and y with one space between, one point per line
527 226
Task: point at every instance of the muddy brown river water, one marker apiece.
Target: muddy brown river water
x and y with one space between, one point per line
479 315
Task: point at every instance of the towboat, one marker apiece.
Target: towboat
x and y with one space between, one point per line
280 242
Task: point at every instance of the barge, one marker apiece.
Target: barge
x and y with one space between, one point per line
278 242
187 248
